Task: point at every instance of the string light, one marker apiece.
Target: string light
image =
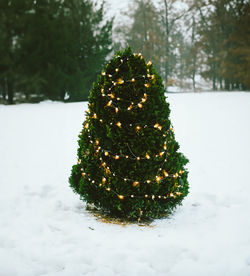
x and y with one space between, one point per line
135 183
158 126
119 124
165 173
120 81
109 103
158 178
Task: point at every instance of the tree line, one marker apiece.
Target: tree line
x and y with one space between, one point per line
54 49
51 48
186 39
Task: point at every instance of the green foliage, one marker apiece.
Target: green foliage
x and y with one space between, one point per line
128 159
52 48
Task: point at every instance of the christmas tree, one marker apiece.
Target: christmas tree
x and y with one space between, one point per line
128 159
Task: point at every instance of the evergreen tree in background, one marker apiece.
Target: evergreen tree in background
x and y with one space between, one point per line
128 159
52 48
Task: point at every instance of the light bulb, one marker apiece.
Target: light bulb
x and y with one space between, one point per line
119 124
135 183
109 103
165 173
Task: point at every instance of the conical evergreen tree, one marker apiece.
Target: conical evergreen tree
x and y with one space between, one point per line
128 163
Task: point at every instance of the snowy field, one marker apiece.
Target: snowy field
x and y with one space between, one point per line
45 230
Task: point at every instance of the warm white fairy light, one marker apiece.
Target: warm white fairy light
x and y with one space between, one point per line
135 183
120 81
119 124
109 103
158 178
175 175
165 173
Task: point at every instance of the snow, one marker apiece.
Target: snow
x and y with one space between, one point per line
45 230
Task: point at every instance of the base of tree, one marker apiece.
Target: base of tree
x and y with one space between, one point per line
107 217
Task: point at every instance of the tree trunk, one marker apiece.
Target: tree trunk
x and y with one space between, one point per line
167 43
10 92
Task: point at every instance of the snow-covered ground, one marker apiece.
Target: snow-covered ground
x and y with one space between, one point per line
45 230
